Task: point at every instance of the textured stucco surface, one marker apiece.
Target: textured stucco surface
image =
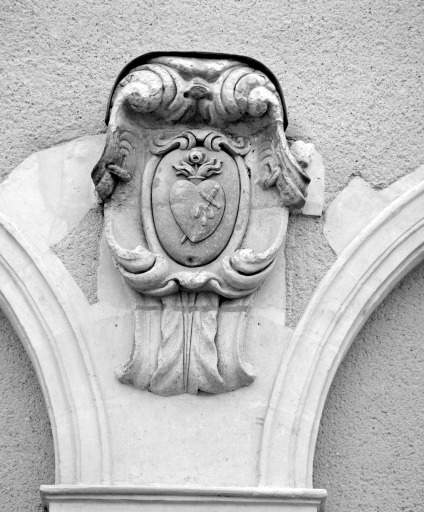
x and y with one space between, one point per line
79 252
370 446
308 258
26 443
352 75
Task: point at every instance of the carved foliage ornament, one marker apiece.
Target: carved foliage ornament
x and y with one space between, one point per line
196 179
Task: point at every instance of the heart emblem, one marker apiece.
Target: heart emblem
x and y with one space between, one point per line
198 209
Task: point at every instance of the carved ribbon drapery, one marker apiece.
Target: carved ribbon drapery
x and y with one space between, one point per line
196 171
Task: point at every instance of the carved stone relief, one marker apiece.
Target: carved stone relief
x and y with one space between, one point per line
104 451
197 179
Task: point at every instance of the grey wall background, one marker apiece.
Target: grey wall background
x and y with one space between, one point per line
352 73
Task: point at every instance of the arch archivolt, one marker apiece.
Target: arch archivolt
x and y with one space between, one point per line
366 270
32 297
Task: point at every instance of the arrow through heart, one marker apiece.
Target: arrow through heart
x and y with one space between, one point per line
198 209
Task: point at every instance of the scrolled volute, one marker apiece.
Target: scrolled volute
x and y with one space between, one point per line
197 233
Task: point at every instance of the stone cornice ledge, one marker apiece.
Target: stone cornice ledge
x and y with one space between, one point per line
65 498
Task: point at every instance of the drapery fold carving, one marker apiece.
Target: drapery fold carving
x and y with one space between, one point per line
196 162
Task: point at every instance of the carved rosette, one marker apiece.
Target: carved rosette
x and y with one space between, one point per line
196 180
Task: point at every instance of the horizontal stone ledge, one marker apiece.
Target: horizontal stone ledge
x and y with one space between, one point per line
75 498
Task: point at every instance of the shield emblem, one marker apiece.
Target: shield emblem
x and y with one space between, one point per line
198 209
195 200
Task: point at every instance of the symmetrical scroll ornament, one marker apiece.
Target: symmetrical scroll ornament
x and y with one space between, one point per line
196 168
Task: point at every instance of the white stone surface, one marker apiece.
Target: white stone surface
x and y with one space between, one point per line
315 198
358 204
51 191
308 158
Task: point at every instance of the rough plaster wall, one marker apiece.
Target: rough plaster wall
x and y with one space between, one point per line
370 446
303 274
351 73
79 252
26 443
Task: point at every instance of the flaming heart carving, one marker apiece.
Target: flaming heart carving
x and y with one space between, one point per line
197 205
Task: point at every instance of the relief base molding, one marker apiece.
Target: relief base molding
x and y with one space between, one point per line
168 499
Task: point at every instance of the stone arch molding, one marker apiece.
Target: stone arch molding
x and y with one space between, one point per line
366 270
32 297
